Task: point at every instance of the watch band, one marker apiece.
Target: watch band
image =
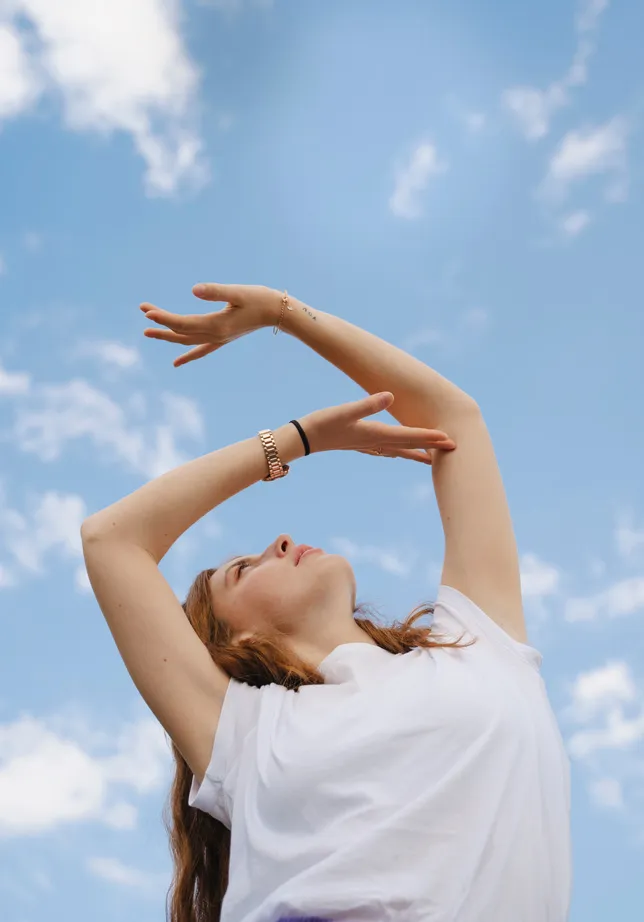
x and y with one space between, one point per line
275 467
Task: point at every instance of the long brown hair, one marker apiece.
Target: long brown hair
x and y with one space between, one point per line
200 844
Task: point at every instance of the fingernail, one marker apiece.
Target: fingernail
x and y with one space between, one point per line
199 289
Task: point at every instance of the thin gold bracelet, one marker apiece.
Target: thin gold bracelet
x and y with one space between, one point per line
285 304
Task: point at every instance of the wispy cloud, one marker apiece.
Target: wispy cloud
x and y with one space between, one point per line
111 353
574 223
600 689
412 178
116 872
387 559
20 84
628 539
607 793
14 382
6 577
533 108
3 265
538 578
614 729
597 150
469 323
426 337
92 56
51 416
49 529
606 713
622 598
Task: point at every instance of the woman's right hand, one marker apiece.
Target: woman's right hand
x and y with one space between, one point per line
248 308
344 427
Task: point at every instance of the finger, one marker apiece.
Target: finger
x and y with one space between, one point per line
367 406
406 436
169 336
197 353
181 323
211 291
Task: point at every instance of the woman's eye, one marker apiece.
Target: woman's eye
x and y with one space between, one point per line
241 566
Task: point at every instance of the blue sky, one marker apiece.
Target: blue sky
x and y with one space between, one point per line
463 179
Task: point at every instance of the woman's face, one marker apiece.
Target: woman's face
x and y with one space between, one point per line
283 589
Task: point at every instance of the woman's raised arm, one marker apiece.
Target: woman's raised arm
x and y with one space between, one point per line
124 543
481 557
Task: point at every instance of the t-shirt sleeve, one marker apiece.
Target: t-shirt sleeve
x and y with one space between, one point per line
455 613
239 716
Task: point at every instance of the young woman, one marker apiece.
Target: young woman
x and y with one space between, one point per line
328 768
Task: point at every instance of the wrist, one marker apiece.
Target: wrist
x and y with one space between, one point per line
289 443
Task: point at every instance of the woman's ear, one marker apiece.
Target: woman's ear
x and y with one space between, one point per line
240 636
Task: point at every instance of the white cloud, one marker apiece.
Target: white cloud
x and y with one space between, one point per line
622 598
19 84
427 337
471 322
51 526
412 179
388 560
600 690
627 538
116 872
116 65
54 415
49 777
607 792
574 223
538 578
533 108
111 353
619 732
81 580
12 383
606 708
183 416
593 151
6 577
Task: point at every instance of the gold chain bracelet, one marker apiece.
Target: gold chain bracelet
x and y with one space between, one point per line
286 305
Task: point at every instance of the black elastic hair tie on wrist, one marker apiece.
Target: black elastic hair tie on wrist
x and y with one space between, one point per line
307 447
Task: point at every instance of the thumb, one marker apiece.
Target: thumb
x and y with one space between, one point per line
210 291
368 406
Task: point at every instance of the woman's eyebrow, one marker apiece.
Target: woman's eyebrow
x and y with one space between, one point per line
229 561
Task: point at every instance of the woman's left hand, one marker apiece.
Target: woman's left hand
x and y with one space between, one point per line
248 308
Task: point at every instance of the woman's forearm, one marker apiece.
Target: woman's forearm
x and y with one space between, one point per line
158 513
423 397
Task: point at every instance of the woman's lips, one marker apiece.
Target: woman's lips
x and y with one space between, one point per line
310 550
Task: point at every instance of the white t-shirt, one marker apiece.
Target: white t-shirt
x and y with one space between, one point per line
429 786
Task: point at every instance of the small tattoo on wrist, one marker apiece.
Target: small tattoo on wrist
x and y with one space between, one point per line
310 313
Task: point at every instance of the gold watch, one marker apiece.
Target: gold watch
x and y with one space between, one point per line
275 467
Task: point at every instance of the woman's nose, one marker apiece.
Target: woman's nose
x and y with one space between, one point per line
283 544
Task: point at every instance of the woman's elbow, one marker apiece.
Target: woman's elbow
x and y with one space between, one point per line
93 528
